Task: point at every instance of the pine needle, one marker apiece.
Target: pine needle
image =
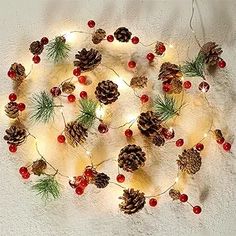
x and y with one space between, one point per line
48 188
87 113
58 50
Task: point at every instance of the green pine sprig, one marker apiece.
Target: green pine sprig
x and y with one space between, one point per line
166 107
58 50
87 112
48 188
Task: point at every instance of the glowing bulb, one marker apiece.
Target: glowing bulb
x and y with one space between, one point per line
171 46
176 179
121 83
132 117
100 112
205 135
88 153
70 37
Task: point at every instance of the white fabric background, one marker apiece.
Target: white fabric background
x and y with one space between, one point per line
96 213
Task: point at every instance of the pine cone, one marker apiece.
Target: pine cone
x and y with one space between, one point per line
211 52
176 86
138 82
157 48
101 180
174 194
98 36
190 161
38 167
12 110
87 60
107 92
149 123
158 140
122 34
133 201
36 47
169 71
131 158
218 134
15 135
75 133
68 87
19 70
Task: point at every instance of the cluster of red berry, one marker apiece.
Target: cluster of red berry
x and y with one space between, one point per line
24 172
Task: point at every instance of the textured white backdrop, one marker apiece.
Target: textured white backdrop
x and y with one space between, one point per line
96 213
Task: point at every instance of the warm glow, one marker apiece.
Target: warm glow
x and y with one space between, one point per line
205 135
88 153
70 37
171 46
176 179
100 112
121 83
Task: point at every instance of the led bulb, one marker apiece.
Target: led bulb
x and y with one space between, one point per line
176 179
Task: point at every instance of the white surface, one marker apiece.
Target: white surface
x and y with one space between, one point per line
96 213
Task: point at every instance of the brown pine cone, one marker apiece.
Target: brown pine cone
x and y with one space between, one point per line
107 92
87 60
36 47
218 134
98 36
12 110
133 201
190 161
169 71
157 48
38 167
19 71
15 135
122 34
75 133
149 123
158 140
174 194
211 52
131 158
139 82
176 86
101 180
68 87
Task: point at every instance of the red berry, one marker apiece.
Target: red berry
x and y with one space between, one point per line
179 142
135 40
221 63
183 197
79 190
199 146
161 48
187 84
12 97
144 98
220 141
131 64
120 178
102 128
36 59
71 98
12 148
153 202
88 173
110 38
26 175
91 23
11 74
55 91
82 79
227 146
61 138
21 106
23 170
76 71
150 56
83 94
83 183
197 209
128 133
166 87
44 40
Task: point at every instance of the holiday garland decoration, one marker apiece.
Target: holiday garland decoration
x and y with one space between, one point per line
151 123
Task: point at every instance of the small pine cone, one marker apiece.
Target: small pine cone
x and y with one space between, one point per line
157 46
12 110
174 194
101 180
87 60
19 70
131 158
218 134
169 71
38 167
15 135
211 52
139 82
107 92
176 86
68 87
98 36
75 133
158 140
190 161
36 47
122 34
149 123
133 201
